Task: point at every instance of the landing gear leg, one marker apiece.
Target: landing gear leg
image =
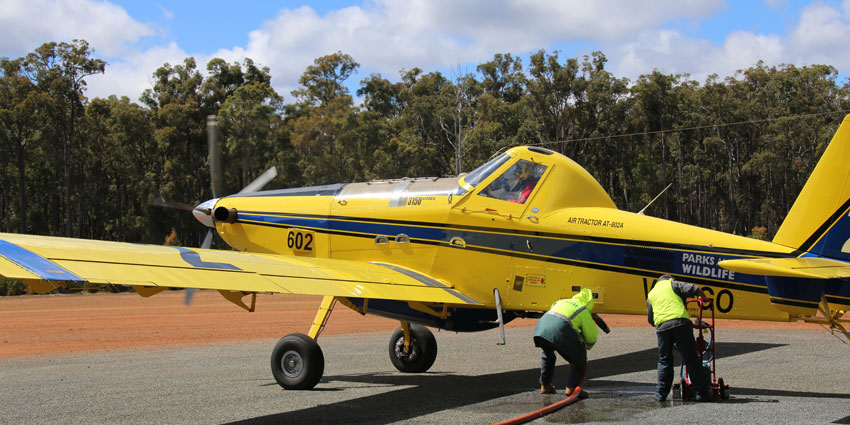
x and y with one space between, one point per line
297 361
322 316
413 349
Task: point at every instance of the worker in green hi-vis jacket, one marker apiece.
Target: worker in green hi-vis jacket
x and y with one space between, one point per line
570 329
665 309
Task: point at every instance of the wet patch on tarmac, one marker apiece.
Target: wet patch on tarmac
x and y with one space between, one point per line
608 402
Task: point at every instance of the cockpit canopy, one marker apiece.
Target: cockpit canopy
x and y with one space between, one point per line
523 174
517 183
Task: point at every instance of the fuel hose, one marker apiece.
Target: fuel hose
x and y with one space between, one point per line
528 417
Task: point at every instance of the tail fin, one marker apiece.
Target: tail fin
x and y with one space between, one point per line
818 222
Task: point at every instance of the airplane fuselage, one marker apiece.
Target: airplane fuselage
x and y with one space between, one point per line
533 253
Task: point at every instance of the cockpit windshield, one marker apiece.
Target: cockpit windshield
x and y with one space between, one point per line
517 183
477 175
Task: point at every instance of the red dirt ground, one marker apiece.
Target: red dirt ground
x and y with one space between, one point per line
48 324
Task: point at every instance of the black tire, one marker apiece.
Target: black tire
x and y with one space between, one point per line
422 353
724 390
297 362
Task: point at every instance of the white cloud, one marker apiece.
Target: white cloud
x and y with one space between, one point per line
819 37
389 35
134 73
382 35
743 49
27 24
672 52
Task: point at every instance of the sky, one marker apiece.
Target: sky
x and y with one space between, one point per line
697 37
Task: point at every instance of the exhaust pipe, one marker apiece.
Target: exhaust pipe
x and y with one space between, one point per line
225 215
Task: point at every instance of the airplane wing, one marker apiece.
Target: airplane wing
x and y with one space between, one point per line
807 267
39 259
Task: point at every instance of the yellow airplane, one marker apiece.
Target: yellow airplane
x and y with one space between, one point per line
471 253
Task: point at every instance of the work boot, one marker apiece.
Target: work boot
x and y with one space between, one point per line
547 389
582 395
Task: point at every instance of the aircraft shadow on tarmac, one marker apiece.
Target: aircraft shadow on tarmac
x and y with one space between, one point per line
438 391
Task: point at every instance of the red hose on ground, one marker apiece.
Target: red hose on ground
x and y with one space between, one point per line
548 409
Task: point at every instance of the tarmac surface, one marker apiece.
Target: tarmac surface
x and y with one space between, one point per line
775 375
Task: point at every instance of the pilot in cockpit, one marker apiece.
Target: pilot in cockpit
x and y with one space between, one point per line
516 184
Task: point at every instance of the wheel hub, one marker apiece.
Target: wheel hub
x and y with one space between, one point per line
410 355
292 364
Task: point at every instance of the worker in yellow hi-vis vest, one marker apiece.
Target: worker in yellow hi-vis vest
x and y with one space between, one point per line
665 309
569 327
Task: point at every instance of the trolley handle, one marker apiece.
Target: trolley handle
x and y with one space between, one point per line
703 305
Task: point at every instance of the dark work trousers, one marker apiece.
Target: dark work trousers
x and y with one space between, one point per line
578 363
683 338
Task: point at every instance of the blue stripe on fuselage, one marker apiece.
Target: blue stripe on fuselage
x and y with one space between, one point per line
285 220
414 232
619 257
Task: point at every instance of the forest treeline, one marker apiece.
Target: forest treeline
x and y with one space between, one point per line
737 150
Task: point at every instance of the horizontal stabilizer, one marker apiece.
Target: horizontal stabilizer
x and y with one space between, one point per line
804 268
798 285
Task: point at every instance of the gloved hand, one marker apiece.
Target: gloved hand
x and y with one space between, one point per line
601 323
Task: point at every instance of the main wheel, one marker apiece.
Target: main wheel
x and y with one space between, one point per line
421 354
297 362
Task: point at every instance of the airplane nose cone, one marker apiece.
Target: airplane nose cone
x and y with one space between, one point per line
203 212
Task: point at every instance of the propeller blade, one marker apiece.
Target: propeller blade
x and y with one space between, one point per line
215 156
261 181
207 240
187 299
159 201
203 212
190 292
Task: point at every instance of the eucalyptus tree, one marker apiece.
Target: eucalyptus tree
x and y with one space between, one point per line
59 70
555 90
248 117
323 121
658 105
505 116
458 117
178 114
19 127
224 79
420 140
784 146
602 115
121 163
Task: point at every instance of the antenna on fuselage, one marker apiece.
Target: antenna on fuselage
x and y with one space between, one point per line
501 151
653 199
